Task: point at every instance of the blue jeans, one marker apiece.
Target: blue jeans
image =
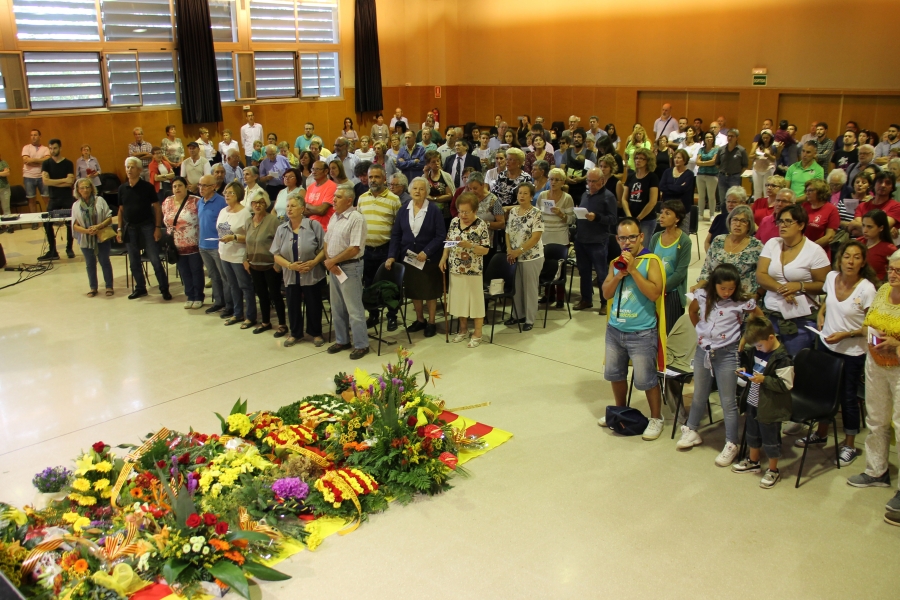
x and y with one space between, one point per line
191 268
347 311
725 182
648 228
804 338
638 346
853 369
90 264
588 256
241 289
142 235
33 184
724 363
763 435
221 289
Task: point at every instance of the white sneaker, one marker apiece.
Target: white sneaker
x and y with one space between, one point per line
727 455
461 337
654 429
188 304
689 438
791 428
601 421
197 304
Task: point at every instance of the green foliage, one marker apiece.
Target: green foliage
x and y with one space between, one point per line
230 574
239 407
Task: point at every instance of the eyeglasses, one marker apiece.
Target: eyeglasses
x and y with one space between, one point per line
627 238
785 222
593 181
744 221
771 185
318 169
893 271
559 179
205 185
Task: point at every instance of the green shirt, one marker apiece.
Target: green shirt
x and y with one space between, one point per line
798 176
4 182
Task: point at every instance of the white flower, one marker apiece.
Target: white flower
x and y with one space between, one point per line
186 548
205 550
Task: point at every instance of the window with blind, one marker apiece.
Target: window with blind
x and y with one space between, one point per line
287 21
320 75
142 20
59 80
225 70
157 78
56 20
223 20
275 75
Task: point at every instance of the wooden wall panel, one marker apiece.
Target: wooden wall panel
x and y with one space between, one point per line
452 99
467 104
561 98
520 103
583 105
484 105
887 112
503 105
803 109
542 104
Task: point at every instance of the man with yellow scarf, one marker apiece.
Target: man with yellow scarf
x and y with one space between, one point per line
636 326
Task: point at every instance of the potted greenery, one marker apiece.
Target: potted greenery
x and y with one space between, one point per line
50 484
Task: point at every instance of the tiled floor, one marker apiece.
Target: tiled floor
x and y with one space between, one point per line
563 510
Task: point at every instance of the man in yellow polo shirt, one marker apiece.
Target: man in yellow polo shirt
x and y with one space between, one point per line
803 170
379 208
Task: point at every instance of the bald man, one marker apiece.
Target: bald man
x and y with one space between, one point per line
665 124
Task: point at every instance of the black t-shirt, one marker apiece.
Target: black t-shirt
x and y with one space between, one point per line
639 193
59 170
719 226
137 202
842 159
575 168
662 163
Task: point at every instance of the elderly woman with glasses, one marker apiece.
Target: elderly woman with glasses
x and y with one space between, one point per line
232 224
792 269
824 220
181 219
764 206
738 248
260 264
91 217
734 197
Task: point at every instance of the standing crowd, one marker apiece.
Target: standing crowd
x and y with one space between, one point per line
808 260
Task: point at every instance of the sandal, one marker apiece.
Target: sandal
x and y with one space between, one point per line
461 337
110 291
290 342
474 342
247 324
263 327
280 332
232 320
92 293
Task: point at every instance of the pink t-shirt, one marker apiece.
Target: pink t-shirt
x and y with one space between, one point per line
821 219
32 151
317 194
891 209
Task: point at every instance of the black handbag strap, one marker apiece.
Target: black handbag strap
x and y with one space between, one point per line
180 208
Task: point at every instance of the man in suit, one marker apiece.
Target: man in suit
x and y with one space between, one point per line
456 164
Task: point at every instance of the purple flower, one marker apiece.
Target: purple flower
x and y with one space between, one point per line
395 381
290 487
192 485
371 390
353 386
409 362
382 385
401 389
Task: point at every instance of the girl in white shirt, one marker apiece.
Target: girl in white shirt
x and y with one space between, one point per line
692 148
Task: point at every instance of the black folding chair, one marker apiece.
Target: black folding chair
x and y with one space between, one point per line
554 274
499 268
693 225
395 276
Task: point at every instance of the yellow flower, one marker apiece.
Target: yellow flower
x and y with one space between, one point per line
71 517
15 515
104 466
101 484
81 484
79 525
84 464
87 501
239 423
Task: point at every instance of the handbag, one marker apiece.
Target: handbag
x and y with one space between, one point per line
105 234
625 420
167 240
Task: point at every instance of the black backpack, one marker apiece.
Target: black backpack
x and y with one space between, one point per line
625 420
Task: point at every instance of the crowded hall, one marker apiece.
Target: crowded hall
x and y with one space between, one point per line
273 267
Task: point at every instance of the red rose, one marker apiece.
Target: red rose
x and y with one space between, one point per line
99 447
209 518
411 421
432 431
161 464
448 459
221 528
184 459
194 520
201 460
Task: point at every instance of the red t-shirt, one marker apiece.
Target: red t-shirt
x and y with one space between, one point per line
820 219
891 209
877 257
761 210
316 195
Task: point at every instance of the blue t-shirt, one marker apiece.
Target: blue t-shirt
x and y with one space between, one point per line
636 311
668 255
207 213
302 143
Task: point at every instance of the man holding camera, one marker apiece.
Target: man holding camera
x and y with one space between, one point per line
635 283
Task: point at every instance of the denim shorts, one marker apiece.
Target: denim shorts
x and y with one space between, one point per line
638 346
32 184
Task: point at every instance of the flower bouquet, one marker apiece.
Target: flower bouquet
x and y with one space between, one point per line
50 484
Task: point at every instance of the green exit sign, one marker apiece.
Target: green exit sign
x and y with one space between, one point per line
759 79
